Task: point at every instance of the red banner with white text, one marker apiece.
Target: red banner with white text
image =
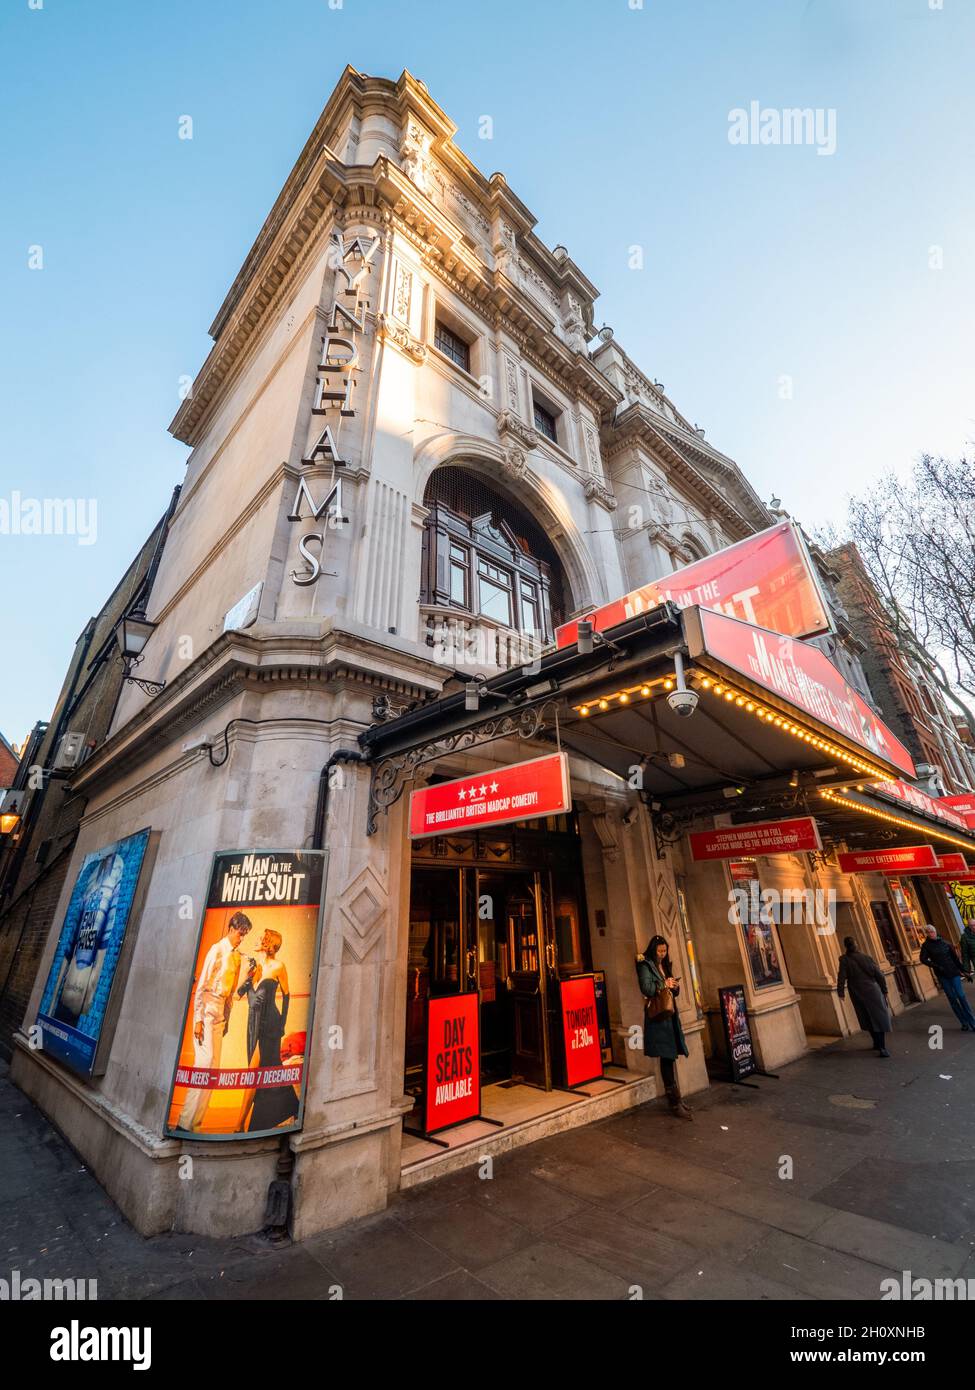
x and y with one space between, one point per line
453 1078
523 791
764 837
802 675
905 860
766 579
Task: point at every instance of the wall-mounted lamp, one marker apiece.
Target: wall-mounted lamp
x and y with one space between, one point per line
9 812
132 634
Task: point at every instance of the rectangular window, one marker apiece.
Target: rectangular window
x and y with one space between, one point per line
458 575
545 422
494 593
529 608
451 346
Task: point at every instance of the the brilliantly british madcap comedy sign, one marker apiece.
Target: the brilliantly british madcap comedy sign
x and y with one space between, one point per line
520 792
765 837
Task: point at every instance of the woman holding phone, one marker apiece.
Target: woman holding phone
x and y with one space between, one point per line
663 1036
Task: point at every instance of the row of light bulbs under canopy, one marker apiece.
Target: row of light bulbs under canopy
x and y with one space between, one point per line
722 690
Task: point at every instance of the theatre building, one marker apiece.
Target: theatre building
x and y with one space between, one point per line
417 667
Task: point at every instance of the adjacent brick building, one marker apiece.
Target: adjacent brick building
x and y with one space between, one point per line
910 702
34 861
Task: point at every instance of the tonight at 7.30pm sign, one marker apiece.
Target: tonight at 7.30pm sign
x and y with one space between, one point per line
523 791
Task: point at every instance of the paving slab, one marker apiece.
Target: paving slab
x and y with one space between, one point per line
891 1246
547 1271
636 1205
813 1269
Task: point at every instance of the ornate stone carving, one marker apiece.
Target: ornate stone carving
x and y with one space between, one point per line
389 331
403 293
573 325
414 153
661 504
599 492
515 462
505 251
537 285
592 450
511 380
511 424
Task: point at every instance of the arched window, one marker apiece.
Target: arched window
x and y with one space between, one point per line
484 555
693 546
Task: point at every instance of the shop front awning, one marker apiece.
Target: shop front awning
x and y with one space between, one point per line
771 714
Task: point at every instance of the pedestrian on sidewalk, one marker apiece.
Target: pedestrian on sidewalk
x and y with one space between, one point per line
663 1036
865 980
968 948
943 960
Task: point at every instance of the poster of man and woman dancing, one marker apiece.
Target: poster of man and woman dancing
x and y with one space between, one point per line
247 1027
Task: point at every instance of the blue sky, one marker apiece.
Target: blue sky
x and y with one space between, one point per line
760 262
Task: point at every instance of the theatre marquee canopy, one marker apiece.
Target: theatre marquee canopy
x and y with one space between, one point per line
772 713
894 813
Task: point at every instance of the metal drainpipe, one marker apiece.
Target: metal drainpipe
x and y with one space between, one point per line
341 755
277 1213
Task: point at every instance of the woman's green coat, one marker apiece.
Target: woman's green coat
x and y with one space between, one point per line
662 1036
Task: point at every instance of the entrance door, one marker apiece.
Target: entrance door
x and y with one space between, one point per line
511 930
888 936
442 956
520 929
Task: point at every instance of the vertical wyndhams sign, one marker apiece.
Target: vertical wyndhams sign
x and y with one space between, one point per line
246 1030
351 258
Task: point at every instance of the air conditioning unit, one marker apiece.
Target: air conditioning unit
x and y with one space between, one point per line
71 751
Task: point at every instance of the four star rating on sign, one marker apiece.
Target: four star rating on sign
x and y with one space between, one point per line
474 791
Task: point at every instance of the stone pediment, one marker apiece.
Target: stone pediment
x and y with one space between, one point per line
484 525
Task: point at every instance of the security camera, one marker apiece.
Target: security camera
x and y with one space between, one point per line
683 702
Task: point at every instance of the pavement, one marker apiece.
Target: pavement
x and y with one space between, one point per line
847 1170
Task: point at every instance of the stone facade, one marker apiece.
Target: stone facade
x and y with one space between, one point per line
287 604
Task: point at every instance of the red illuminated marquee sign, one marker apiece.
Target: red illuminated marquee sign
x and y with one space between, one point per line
453 1074
580 1029
913 796
765 837
963 806
952 863
800 674
767 579
892 861
523 791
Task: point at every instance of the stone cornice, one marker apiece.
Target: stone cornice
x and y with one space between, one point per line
264 658
691 443
320 186
637 425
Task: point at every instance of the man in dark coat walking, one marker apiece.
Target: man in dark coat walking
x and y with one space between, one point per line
865 980
943 960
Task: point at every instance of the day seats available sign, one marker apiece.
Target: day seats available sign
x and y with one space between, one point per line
453 1080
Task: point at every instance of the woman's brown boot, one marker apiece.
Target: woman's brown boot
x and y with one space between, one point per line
677 1107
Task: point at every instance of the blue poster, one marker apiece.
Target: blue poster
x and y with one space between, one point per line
76 994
